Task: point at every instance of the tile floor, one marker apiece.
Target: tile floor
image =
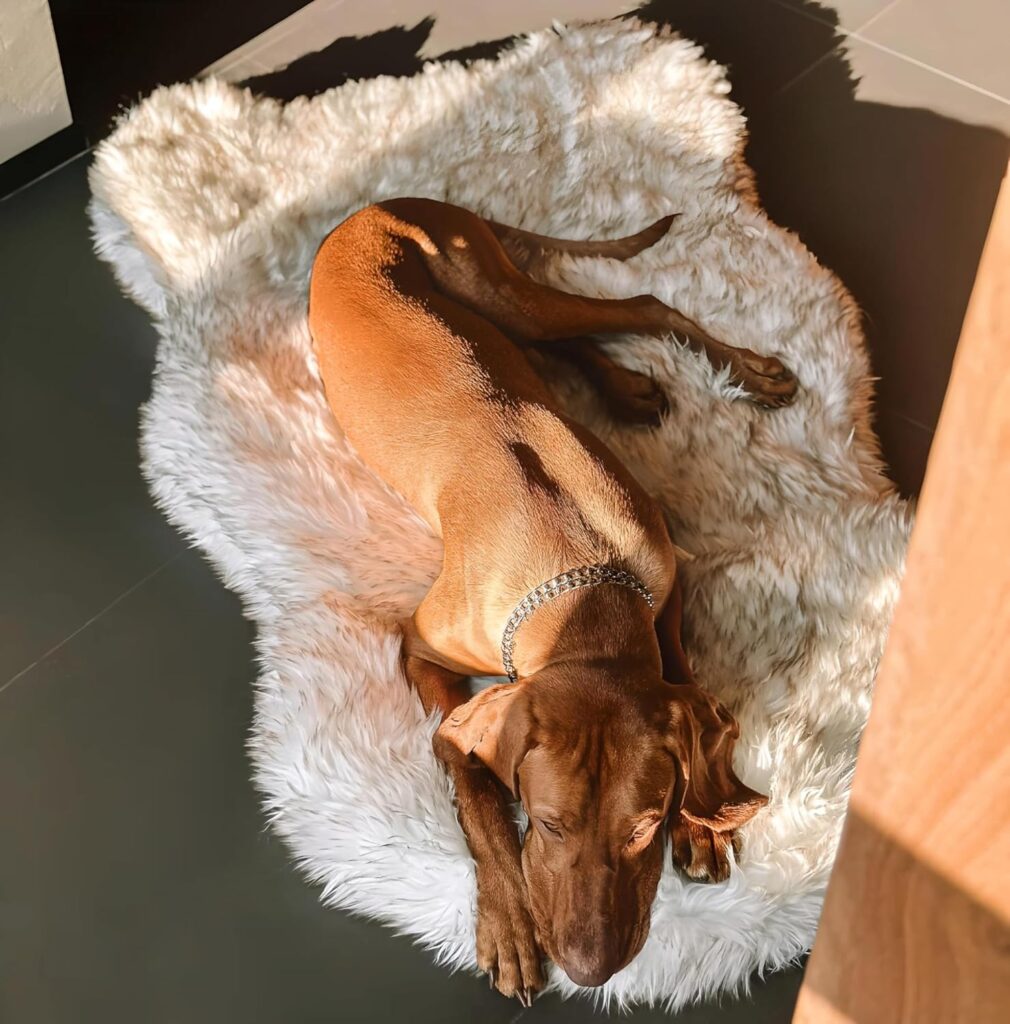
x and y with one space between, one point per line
137 880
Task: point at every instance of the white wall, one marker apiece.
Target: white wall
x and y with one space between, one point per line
33 98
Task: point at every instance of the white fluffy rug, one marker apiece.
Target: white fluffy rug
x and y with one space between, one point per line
209 204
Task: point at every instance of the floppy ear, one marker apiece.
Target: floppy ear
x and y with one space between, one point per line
493 727
710 802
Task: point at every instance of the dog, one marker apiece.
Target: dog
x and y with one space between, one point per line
556 566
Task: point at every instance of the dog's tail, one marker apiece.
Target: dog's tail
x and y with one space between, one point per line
525 247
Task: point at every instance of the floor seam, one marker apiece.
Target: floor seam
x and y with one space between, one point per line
834 48
793 9
806 71
841 29
94 618
929 67
874 17
910 420
251 55
856 33
45 174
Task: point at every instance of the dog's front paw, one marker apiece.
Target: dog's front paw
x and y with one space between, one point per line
702 854
506 938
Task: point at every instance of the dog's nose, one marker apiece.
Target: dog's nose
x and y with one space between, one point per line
588 970
588 978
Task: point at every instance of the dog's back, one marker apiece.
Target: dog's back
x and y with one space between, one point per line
448 410
428 392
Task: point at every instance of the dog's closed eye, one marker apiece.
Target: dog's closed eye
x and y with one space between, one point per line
552 828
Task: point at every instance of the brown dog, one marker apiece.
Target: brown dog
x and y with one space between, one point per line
418 312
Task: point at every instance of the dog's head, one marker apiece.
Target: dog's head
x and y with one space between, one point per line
599 768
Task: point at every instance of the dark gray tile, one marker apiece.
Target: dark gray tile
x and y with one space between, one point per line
76 522
138 880
895 200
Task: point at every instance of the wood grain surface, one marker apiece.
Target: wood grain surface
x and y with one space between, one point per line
916 927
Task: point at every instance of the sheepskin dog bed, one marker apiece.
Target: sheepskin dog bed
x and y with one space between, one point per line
209 204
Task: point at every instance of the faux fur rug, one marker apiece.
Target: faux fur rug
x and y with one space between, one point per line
210 203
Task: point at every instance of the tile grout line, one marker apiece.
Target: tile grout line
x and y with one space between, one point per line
806 71
45 174
856 33
251 54
873 17
328 11
929 67
94 618
908 419
787 6
842 34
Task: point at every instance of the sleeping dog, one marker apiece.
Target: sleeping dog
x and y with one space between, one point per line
556 566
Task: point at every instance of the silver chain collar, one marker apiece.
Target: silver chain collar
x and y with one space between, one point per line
573 579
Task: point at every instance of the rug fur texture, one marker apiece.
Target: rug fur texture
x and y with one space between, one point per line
209 203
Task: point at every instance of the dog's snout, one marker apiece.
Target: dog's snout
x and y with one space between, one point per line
587 971
590 963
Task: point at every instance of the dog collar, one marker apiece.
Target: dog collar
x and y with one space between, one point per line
572 579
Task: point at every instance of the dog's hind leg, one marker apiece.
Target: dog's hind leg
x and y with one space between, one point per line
629 395
539 313
467 262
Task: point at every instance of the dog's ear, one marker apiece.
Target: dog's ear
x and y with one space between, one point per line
492 726
710 802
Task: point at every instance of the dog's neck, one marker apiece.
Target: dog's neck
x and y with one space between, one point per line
595 625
